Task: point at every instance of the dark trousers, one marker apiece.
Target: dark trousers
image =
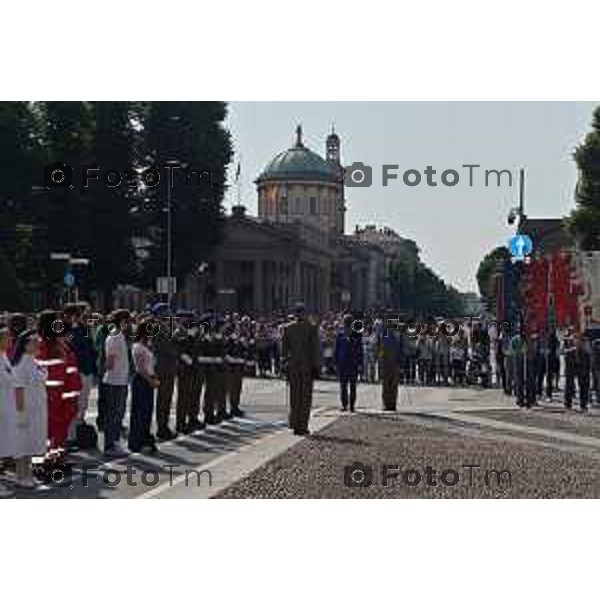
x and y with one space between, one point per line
348 381
583 381
164 400
234 387
142 407
570 377
185 391
196 395
115 399
458 371
216 392
101 418
301 385
551 371
501 370
519 380
411 368
389 388
530 381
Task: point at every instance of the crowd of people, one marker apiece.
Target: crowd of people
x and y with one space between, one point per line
51 362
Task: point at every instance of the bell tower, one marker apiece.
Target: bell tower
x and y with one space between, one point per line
332 147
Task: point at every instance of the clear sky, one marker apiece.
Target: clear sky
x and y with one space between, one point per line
453 226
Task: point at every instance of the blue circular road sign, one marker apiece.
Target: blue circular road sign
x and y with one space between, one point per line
520 246
69 279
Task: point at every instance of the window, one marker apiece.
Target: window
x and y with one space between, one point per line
313 205
283 206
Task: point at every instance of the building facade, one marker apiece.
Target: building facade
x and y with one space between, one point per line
296 248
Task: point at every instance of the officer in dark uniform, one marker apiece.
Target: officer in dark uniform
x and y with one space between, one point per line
531 366
391 360
552 362
193 415
349 361
235 360
596 369
570 354
300 354
584 364
251 354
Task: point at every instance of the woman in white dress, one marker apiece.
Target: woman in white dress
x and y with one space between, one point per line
32 407
8 406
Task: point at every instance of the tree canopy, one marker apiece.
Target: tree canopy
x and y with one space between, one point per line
101 222
584 220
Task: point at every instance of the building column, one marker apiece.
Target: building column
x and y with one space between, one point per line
257 287
297 284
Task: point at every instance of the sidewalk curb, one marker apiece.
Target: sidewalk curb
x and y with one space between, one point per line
231 467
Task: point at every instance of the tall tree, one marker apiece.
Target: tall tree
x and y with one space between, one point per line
193 134
584 220
21 160
68 137
491 264
110 207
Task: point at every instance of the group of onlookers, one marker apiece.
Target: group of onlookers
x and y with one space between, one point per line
49 364
530 365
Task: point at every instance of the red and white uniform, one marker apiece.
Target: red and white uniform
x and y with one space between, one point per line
63 386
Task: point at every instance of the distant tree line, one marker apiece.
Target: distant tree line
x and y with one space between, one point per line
584 220
417 290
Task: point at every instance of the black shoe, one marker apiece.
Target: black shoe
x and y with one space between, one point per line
344 408
389 408
196 425
301 432
237 412
150 448
228 416
352 409
164 435
210 420
71 446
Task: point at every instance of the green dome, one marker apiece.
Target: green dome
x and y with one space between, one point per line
299 163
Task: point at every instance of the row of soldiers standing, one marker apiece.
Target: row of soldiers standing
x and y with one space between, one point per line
207 359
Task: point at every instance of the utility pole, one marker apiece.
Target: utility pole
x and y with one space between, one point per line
522 216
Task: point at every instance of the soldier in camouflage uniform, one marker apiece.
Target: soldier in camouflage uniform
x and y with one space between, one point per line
186 339
235 355
167 363
214 399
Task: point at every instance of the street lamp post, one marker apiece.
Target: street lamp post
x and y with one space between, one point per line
169 251
170 165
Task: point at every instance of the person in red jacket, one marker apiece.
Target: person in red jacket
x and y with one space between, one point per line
63 383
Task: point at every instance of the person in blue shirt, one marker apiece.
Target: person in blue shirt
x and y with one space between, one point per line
349 361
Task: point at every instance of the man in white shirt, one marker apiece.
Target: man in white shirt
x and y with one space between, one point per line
116 380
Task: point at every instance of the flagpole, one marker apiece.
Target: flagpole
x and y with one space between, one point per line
238 181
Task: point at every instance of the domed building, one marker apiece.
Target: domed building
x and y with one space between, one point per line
295 249
300 185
